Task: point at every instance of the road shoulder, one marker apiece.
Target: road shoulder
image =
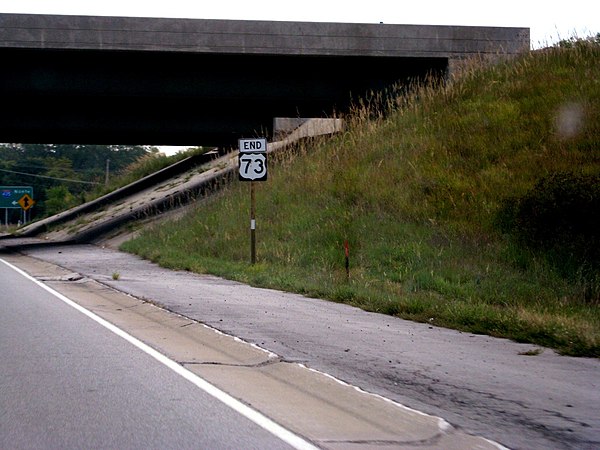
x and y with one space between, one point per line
324 410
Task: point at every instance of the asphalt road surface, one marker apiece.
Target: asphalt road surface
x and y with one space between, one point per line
485 386
67 382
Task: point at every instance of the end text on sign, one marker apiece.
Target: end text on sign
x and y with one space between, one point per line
253 145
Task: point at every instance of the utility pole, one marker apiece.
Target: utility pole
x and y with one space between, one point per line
107 170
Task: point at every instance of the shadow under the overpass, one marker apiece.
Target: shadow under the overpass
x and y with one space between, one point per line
160 98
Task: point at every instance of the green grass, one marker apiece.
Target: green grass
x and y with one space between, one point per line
415 187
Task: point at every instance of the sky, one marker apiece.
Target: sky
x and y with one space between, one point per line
548 20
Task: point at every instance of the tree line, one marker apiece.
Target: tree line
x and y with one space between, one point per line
62 175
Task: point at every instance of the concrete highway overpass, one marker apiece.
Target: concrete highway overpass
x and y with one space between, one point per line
124 80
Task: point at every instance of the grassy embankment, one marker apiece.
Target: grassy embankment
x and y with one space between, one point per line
418 193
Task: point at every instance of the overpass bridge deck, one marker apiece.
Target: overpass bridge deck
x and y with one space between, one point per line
157 81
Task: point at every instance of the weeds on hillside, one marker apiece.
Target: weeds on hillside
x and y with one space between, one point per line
415 185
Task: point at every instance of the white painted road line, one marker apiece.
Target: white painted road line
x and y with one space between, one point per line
264 422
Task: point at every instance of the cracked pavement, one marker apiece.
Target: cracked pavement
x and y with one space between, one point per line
481 385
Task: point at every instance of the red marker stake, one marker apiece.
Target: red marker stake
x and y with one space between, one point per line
347 252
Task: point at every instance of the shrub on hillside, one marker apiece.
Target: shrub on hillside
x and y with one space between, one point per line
560 216
577 41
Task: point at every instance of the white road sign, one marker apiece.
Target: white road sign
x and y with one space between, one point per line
253 159
253 145
253 166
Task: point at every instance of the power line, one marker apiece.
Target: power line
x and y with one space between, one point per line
41 166
50 178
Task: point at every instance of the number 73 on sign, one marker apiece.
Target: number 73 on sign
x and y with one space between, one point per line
253 166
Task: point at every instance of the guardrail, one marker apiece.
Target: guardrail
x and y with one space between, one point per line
184 165
222 169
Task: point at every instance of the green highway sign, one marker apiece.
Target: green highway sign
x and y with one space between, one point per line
16 197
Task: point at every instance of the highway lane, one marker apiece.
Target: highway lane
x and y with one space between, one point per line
67 381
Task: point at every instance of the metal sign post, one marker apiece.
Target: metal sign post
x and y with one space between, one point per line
253 167
252 224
